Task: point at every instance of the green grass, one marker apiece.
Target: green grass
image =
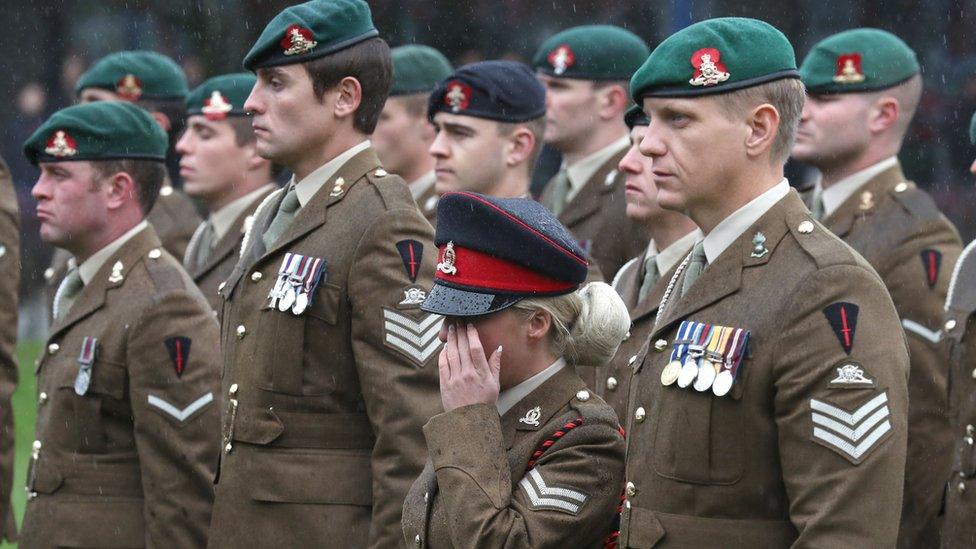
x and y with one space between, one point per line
25 413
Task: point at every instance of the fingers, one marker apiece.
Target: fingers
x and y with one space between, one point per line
453 355
476 352
495 363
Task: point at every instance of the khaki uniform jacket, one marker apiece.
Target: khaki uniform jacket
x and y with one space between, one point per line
130 461
597 217
9 281
959 528
790 456
902 234
174 217
323 428
478 489
223 258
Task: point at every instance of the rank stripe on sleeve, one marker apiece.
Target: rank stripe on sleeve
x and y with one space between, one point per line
921 331
179 414
543 496
416 338
851 434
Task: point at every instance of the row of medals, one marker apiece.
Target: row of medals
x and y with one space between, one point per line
291 290
703 369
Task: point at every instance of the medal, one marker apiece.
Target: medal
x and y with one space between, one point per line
86 359
287 300
689 370
723 383
734 355
278 291
708 365
670 372
311 276
301 303
706 375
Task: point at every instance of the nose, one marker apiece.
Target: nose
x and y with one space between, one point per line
651 144
631 162
438 148
182 146
253 102
972 168
807 111
39 190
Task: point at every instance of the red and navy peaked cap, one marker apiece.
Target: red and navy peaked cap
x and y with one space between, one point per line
494 252
506 91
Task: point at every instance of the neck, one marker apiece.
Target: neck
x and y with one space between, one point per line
83 250
601 137
252 182
515 370
736 192
418 169
514 183
339 143
830 175
668 227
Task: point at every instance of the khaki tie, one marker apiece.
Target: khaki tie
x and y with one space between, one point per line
695 266
282 219
204 246
650 277
817 207
67 292
560 191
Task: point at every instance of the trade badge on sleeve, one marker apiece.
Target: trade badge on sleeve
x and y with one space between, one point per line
297 40
415 337
179 352
852 434
842 317
411 252
709 69
850 375
86 360
561 59
931 262
849 69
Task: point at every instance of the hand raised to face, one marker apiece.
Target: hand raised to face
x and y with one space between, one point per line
467 376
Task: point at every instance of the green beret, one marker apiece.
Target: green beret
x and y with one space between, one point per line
102 130
135 75
858 60
715 56
635 117
591 52
418 69
972 129
311 30
221 96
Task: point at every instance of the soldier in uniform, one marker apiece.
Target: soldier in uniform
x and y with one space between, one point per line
769 408
9 284
641 281
403 134
523 455
221 168
585 71
863 87
157 84
329 364
959 529
127 422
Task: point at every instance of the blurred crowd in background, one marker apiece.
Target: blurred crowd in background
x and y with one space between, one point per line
49 44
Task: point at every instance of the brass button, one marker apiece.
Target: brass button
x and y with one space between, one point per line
53 348
426 497
583 395
974 374
241 330
806 227
970 430
256 276
383 173
228 448
950 324
901 187
611 383
660 345
220 288
631 489
969 440
233 389
36 446
42 398
48 274
632 360
417 540
155 253
639 414
961 487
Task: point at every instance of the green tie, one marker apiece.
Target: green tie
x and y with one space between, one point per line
650 277
283 218
204 245
817 207
560 191
696 264
67 292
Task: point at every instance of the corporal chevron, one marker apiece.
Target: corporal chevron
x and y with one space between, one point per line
543 496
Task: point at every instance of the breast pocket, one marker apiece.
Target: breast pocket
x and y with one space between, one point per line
84 427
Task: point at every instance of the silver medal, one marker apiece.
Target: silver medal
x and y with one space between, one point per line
723 383
706 375
689 371
287 300
301 303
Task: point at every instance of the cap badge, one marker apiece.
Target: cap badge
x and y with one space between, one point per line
532 417
129 87
61 144
446 266
297 40
458 96
849 69
561 59
709 69
759 246
217 107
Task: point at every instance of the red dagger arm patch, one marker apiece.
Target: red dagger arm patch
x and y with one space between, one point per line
179 352
842 317
411 252
931 263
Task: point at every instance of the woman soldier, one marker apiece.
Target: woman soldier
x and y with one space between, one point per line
523 455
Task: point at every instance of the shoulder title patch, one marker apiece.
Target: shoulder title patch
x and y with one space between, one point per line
179 352
411 252
931 262
842 317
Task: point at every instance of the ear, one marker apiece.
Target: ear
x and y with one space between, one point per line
162 120
538 326
883 114
613 101
763 123
120 190
520 145
349 96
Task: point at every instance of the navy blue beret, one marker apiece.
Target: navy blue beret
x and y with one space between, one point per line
505 91
635 117
494 252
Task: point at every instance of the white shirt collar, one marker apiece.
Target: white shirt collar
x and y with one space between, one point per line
581 171
508 398
223 218
420 186
307 187
730 228
90 267
670 256
839 192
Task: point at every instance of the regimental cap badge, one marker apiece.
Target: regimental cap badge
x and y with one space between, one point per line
457 96
531 417
759 246
709 69
217 107
129 87
561 59
849 69
61 144
297 40
448 258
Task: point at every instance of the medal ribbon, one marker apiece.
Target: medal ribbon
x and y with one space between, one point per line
739 352
279 286
701 336
715 342
681 343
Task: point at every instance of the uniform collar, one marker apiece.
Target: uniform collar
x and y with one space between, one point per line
670 256
839 192
581 172
90 267
726 232
420 186
511 396
307 187
223 219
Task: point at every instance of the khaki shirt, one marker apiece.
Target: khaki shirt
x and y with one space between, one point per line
9 282
900 231
322 431
795 454
127 426
484 487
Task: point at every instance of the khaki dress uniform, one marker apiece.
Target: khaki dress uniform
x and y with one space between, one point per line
900 231
322 429
485 487
127 424
9 282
